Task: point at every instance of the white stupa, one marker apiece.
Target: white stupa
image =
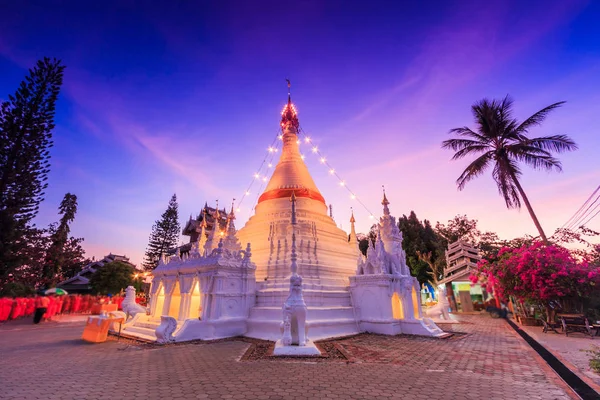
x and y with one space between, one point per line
325 257
219 290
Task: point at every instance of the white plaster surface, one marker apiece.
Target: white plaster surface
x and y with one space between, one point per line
310 349
219 290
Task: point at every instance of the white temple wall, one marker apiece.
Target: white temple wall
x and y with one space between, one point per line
322 248
387 304
418 313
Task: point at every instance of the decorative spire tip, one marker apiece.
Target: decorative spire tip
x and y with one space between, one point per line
385 201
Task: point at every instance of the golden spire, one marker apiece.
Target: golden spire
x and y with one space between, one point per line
203 223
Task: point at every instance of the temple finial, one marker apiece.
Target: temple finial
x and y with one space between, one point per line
352 220
204 222
385 203
217 214
289 116
232 203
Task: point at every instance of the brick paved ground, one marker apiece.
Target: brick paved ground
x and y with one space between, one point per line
570 350
490 362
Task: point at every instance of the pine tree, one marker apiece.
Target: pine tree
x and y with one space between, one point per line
64 254
26 124
165 233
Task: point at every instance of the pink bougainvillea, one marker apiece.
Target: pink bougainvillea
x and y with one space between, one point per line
537 273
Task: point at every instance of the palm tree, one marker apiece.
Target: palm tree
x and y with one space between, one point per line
504 144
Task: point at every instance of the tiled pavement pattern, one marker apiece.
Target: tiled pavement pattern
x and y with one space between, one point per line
490 362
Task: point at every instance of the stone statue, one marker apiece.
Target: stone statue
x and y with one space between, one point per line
294 314
440 310
129 306
164 332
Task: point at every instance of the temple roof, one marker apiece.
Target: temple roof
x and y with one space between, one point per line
291 174
193 225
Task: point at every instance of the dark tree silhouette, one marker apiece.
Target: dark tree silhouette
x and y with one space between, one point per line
504 143
165 233
26 124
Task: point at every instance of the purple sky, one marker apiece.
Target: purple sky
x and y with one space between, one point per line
173 98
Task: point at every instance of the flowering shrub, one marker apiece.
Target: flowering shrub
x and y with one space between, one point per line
538 273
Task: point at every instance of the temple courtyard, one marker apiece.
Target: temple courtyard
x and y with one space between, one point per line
484 359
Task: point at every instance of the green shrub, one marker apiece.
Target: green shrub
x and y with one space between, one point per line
595 360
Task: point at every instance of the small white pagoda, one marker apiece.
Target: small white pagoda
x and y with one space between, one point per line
220 290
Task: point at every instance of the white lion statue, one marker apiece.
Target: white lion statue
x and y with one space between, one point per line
130 307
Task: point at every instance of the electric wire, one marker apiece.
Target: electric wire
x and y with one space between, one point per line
571 220
576 223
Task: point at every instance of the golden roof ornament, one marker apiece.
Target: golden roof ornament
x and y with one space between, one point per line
289 115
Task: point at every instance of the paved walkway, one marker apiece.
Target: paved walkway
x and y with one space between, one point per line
571 350
488 362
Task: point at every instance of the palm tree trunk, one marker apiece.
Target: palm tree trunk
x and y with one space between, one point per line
530 209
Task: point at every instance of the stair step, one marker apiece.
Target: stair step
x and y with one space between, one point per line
313 313
305 291
140 331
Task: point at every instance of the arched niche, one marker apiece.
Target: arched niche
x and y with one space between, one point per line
175 302
195 302
397 309
159 301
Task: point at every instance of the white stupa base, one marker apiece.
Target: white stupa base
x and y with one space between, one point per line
310 349
420 327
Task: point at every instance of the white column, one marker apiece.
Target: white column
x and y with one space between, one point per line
184 306
167 304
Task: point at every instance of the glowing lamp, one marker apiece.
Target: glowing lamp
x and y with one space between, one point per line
315 149
342 183
247 192
332 171
307 139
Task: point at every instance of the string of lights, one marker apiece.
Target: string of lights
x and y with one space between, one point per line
323 160
274 147
266 175
271 150
267 163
